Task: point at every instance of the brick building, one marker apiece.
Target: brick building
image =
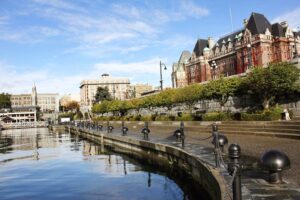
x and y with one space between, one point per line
258 43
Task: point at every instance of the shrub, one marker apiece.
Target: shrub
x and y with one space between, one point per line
265 115
153 117
137 118
252 117
184 117
162 118
172 118
216 116
146 118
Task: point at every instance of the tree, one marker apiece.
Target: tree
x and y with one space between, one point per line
165 98
5 100
189 95
102 107
72 106
102 94
221 89
269 84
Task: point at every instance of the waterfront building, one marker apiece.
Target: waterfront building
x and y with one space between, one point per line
117 87
17 117
47 102
258 43
179 78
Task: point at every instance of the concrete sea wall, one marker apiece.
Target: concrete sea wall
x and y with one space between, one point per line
207 177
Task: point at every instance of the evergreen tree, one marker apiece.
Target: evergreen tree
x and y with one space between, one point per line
102 94
5 100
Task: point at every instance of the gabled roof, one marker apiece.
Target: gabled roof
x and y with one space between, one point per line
258 23
200 45
225 38
185 55
277 30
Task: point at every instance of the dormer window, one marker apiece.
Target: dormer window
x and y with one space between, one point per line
217 49
223 48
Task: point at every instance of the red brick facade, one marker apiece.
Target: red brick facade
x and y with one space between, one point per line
259 40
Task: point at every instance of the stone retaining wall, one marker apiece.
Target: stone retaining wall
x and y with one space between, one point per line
204 174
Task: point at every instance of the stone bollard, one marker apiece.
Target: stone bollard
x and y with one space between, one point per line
110 129
234 169
222 140
275 162
124 129
179 134
145 131
100 127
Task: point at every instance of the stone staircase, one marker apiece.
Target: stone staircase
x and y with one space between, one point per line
284 129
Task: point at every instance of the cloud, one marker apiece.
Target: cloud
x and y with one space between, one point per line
292 17
13 80
143 67
176 11
59 4
33 34
118 29
139 72
193 10
4 20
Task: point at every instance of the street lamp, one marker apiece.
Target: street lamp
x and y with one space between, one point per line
295 41
249 57
214 66
161 80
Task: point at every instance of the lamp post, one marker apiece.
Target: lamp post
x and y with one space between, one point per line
249 57
214 66
161 80
295 41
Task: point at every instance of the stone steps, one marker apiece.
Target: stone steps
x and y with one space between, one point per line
288 129
262 133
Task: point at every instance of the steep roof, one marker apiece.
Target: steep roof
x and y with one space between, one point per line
277 30
225 38
258 23
185 55
200 45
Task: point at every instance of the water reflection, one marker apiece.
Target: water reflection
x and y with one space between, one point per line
38 164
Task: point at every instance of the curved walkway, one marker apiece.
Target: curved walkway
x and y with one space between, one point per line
254 185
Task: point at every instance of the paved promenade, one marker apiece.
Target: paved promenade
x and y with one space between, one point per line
254 181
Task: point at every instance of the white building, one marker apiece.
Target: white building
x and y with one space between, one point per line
17 117
118 88
48 102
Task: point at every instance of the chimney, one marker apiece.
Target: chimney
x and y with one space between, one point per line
210 42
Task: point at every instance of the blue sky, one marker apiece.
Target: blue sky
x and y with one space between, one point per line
58 43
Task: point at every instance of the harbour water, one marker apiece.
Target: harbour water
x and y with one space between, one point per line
37 164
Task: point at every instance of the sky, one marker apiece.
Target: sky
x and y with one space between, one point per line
58 43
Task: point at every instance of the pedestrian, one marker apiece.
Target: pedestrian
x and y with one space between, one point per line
286 115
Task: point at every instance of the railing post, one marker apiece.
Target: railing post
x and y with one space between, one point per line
216 143
234 169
